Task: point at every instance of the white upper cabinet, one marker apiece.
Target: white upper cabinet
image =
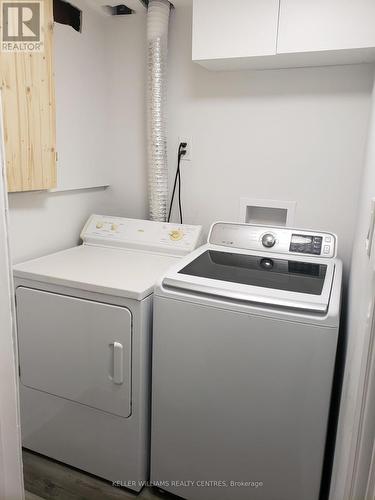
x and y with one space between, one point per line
225 33
319 25
261 34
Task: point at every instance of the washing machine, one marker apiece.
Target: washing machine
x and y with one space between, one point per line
244 347
84 318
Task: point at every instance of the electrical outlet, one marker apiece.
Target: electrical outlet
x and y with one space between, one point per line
188 140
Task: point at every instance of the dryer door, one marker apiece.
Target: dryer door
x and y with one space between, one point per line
75 349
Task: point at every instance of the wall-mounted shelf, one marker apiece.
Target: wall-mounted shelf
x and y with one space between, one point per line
79 188
65 189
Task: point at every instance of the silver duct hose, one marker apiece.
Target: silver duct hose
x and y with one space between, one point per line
157 38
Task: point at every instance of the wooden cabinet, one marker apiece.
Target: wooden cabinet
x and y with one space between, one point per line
266 34
235 29
28 103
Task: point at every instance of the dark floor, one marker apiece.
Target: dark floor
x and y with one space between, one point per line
49 480
31 496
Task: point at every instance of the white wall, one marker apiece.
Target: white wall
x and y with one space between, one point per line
127 48
101 128
361 299
43 222
83 121
296 134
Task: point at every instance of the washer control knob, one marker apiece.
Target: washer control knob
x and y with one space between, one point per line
268 240
99 225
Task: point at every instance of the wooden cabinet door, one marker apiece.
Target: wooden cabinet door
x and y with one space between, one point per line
322 25
28 104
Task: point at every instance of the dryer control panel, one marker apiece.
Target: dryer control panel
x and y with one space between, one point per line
175 239
274 239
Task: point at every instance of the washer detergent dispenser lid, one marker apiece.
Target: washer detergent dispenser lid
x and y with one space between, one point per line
272 266
119 256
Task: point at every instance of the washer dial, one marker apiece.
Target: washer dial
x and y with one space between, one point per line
268 240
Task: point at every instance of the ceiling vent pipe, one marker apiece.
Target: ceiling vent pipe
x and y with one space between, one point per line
157 38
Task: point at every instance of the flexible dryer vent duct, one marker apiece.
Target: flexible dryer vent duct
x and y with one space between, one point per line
157 38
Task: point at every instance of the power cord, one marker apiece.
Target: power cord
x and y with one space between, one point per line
181 152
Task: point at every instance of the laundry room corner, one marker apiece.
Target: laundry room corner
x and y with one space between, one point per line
275 134
187 250
101 143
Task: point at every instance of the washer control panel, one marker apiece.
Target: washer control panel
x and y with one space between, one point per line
165 237
273 239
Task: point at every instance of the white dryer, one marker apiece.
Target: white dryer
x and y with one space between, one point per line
244 347
84 320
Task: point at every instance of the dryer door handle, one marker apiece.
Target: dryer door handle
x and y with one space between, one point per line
118 363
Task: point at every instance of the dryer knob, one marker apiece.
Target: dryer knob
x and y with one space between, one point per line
176 235
268 240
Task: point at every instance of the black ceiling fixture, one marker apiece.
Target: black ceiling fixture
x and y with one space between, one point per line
121 10
66 13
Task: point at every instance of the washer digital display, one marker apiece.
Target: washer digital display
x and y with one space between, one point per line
301 240
302 243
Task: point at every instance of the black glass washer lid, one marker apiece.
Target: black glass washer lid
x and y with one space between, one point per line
266 272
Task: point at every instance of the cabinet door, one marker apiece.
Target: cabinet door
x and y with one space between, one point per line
75 349
239 28
319 25
28 104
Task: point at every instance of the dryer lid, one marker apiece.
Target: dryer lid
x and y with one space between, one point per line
114 271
